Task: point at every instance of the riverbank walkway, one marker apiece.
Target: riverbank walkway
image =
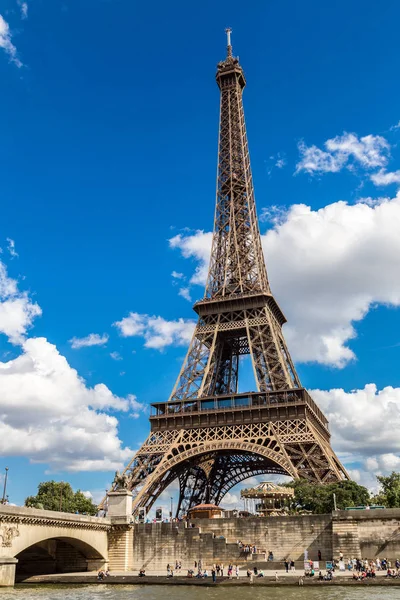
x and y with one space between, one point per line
160 578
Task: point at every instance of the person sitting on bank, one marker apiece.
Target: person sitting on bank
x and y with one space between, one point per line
261 573
320 576
142 573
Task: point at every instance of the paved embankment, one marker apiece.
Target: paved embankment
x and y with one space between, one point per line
131 579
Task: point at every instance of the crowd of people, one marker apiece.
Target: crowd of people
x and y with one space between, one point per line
360 568
217 570
247 548
368 568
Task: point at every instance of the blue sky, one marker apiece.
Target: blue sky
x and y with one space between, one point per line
109 123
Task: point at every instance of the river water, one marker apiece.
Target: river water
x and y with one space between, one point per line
170 592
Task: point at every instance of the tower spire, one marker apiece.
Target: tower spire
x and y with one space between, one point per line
228 32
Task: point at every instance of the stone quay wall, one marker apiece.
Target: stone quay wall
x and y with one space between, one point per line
215 540
367 533
358 534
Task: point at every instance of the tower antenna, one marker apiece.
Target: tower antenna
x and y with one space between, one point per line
228 32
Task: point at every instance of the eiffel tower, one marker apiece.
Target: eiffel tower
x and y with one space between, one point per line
209 436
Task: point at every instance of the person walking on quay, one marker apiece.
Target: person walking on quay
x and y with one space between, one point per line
292 566
251 577
222 569
237 572
319 555
214 574
286 565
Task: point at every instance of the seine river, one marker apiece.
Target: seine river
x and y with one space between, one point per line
170 592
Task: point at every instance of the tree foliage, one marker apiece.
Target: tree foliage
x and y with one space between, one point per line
318 498
59 495
390 493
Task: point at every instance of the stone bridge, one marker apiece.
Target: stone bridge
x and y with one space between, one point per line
34 541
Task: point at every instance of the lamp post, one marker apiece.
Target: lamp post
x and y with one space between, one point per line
3 501
170 514
61 494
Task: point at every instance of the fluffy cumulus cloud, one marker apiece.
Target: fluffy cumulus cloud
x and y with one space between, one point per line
364 422
196 246
341 260
6 42
156 331
347 150
383 177
49 413
17 311
364 425
93 339
231 501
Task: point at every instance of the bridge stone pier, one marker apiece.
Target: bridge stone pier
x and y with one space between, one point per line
34 541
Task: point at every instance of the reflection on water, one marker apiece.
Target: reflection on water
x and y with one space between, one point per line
170 592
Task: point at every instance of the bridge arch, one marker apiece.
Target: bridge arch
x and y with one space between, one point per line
61 554
92 544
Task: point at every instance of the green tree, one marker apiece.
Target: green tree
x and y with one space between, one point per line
390 493
59 495
318 498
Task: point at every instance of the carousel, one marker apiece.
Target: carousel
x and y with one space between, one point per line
267 499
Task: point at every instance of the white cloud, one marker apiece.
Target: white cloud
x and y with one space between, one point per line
11 248
383 177
369 152
115 355
394 127
369 201
17 311
273 214
93 339
364 424
341 260
49 414
195 246
185 293
277 161
24 9
177 275
6 43
157 332
231 501
280 163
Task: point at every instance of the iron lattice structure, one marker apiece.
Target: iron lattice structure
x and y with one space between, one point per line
207 435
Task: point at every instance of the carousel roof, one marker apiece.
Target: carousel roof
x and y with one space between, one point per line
267 489
206 507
